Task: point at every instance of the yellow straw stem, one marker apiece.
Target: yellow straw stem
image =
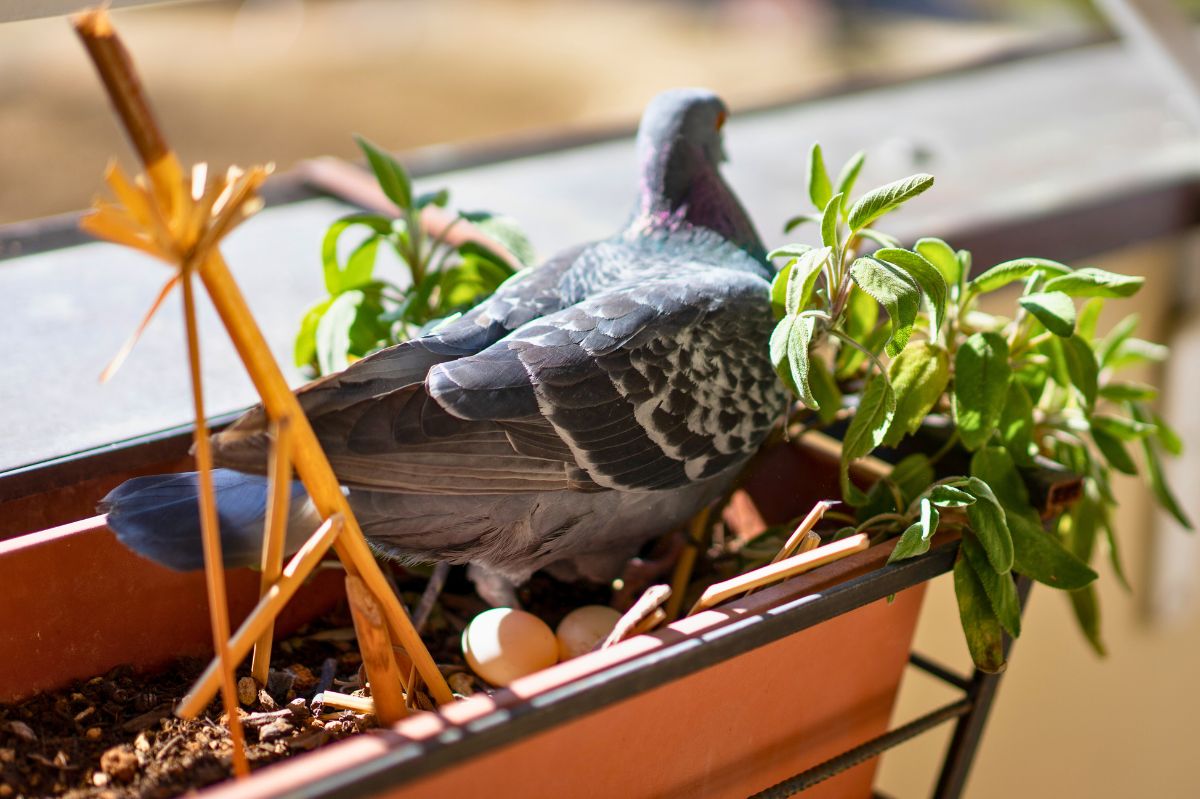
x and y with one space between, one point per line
279 494
214 570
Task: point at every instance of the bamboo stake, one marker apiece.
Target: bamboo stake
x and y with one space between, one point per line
214 571
382 671
129 101
686 563
774 572
647 606
803 538
313 466
279 482
264 613
116 70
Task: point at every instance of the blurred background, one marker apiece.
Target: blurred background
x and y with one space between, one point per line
287 80
294 78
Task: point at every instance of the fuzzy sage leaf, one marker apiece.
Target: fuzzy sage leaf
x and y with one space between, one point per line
892 288
981 376
1053 309
919 376
880 201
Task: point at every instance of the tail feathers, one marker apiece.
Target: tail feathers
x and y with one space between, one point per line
159 518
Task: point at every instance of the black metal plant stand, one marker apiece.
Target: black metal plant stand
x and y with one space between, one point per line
971 711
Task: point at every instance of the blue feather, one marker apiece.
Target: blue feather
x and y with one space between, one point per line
159 517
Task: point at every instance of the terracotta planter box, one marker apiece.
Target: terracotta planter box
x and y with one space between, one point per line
725 703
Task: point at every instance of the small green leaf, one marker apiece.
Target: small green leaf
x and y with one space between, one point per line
895 291
1133 351
981 377
1016 424
1089 315
791 251
848 176
919 376
819 187
926 276
880 201
829 222
360 265
1011 271
912 475
942 256
1121 427
947 496
1039 556
1166 434
824 390
378 224
1000 589
1116 336
803 278
333 331
1053 309
392 176
882 239
1154 476
797 221
1128 391
1090 282
1087 613
994 466
799 340
989 525
1081 367
869 423
779 286
964 264
915 540
1114 549
438 198
505 231
304 351
985 636
1114 451
778 347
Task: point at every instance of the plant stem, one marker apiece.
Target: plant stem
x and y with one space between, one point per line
846 337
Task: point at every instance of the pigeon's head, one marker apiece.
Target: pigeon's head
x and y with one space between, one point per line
683 127
680 151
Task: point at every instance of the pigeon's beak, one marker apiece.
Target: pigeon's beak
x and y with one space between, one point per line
719 156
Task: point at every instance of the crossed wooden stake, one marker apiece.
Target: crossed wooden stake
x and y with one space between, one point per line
181 220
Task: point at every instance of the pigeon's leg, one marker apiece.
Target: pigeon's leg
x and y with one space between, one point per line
494 588
640 573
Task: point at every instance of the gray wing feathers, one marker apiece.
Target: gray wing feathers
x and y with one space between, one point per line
650 385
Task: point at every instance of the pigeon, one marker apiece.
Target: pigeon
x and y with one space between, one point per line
590 404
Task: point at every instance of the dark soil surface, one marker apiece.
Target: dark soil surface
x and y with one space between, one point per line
115 735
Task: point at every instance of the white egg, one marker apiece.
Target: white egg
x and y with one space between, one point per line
583 628
503 644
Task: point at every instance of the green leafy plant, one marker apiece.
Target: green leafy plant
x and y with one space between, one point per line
446 274
1015 392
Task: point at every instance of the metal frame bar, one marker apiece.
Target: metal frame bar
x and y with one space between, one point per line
971 711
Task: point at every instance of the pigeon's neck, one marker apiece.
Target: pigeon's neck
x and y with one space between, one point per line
681 187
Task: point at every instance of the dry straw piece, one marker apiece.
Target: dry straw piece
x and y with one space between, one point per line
181 220
780 570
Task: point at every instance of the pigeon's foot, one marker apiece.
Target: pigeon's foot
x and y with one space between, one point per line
641 573
494 588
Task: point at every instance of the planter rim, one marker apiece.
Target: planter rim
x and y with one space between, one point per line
425 744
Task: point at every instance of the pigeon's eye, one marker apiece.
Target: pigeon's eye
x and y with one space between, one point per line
721 116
